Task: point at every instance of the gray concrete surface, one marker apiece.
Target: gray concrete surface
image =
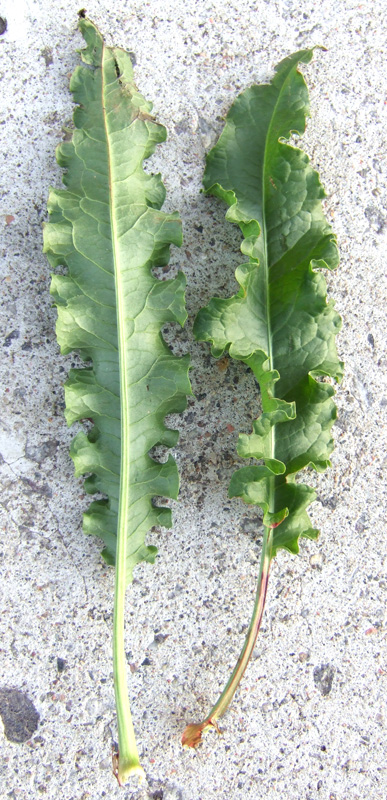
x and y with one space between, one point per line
309 720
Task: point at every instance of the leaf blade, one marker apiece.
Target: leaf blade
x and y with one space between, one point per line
279 323
107 229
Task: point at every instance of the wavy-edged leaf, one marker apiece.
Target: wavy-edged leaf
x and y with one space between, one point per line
279 323
106 227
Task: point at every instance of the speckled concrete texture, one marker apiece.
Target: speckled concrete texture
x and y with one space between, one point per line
309 720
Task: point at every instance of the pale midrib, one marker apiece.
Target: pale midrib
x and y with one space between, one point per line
122 701
266 268
120 313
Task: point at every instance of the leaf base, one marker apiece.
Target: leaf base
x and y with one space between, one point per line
125 768
192 735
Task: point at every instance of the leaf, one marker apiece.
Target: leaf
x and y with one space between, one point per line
106 227
279 323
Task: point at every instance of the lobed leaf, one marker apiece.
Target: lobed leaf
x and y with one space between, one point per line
106 227
279 323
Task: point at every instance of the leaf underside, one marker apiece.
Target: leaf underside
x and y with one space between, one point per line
106 227
279 323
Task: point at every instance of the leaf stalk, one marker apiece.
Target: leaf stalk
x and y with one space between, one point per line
128 762
193 733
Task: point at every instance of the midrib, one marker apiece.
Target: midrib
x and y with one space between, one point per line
128 749
268 314
124 497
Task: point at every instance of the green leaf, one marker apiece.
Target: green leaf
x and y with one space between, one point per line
107 229
279 323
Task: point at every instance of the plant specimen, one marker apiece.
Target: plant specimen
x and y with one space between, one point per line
107 229
279 323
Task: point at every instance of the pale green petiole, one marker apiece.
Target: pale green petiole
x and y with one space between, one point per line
126 762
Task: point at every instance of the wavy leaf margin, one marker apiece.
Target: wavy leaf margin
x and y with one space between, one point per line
106 228
279 323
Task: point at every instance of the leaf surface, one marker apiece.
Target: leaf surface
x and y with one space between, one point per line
279 323
106 227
